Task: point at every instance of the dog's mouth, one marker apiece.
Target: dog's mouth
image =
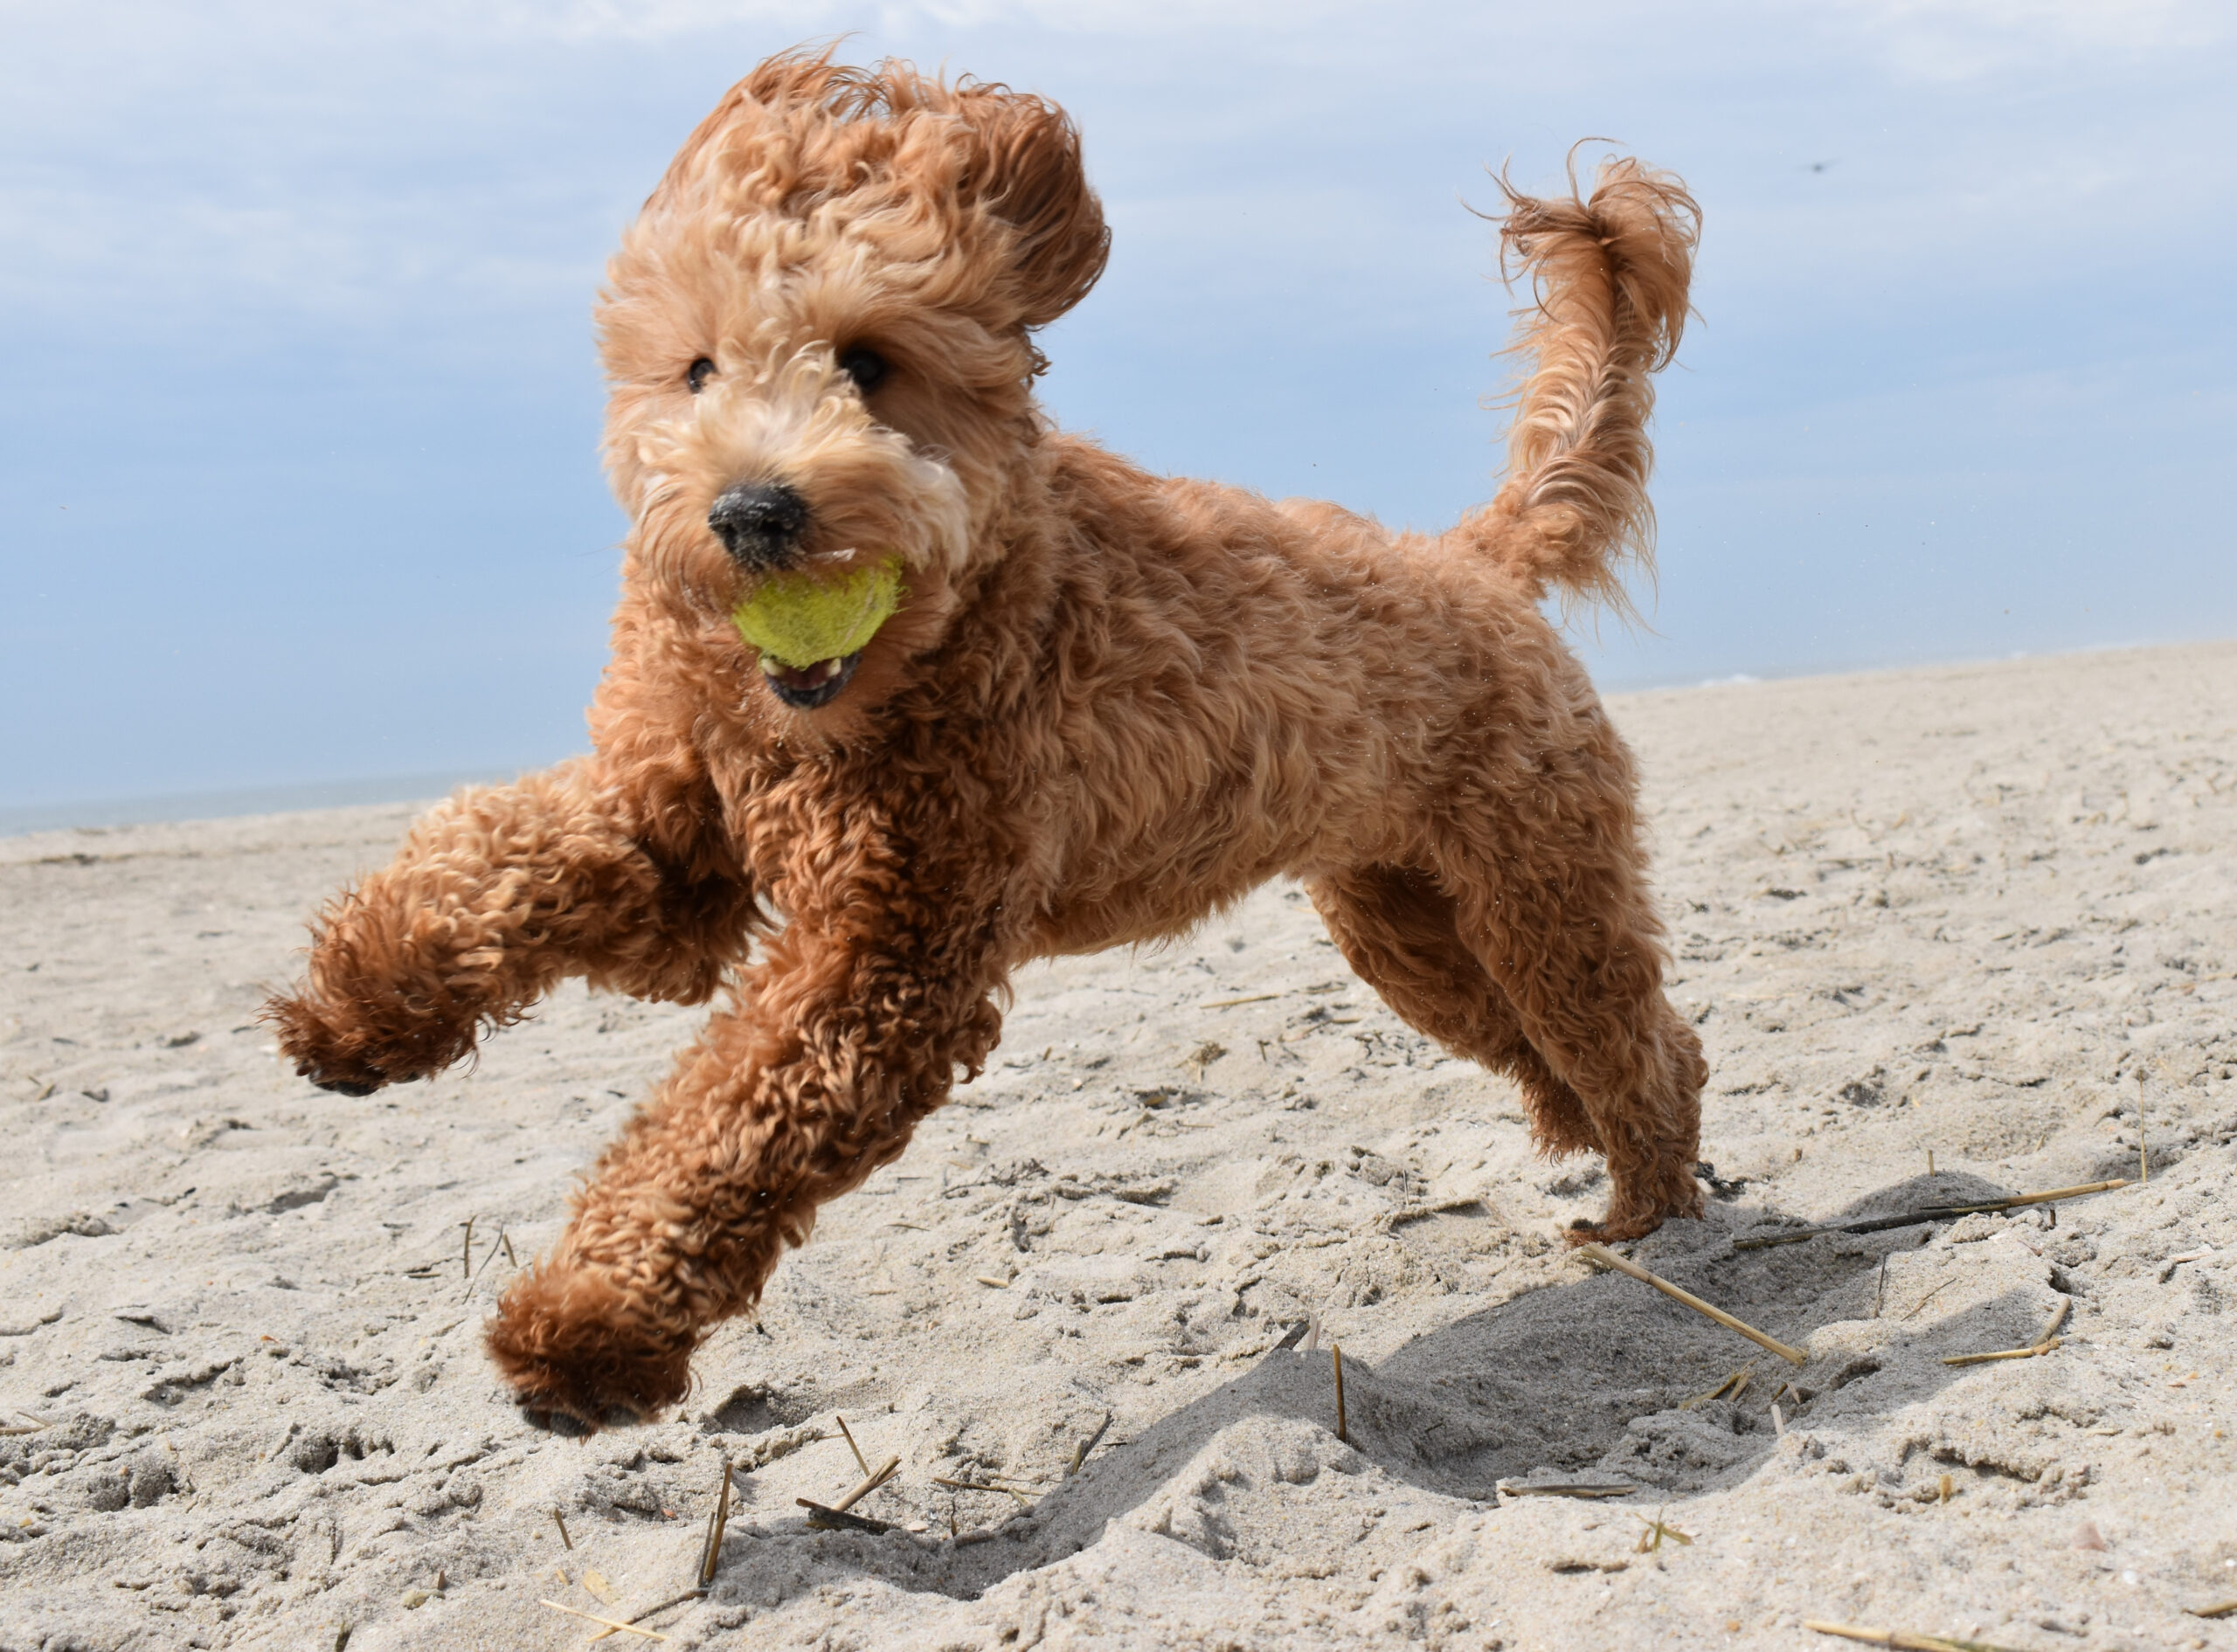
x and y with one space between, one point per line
805 687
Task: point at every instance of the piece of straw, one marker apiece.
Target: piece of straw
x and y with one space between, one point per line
2219 1609
2042 1344
1338 1351
486 1260
1927 1213
1929 1296
871 1483
2003 1353
506 1239
840 1519
1294 1336
1566 1489
465 1254
1080 1451
851 1446
1736 1382
1901 1639
1607 1258
636 1618
1229 1003
982 1485
610 1623
594 1580
558 1521
988 1279
711 1556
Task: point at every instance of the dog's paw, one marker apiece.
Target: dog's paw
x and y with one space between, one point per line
329 1057
341 1086
355 1049
1636 1217
1581 1232
578 1361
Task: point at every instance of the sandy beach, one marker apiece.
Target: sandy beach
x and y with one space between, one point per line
1950 935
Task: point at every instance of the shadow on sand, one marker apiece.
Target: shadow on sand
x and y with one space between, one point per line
1589 1377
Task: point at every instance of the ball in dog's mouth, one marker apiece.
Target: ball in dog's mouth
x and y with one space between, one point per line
805 687
811 625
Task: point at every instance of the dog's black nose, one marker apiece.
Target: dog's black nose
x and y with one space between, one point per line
759 523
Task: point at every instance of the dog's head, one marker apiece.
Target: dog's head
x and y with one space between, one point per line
819 336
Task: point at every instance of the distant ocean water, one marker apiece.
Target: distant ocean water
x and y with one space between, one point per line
210 805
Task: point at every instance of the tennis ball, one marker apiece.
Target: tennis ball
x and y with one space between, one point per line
800 620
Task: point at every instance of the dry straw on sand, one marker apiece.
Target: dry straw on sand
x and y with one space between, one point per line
2042 1344
1338 1351
1901 1639
1080 1452
1607 1258
612 1625
1929 1214
1587 1489
711 1553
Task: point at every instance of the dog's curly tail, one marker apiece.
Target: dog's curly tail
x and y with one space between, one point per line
1610 274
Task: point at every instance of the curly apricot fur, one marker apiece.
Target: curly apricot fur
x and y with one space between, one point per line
1111 704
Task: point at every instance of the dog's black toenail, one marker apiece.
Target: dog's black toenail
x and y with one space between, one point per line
560 1424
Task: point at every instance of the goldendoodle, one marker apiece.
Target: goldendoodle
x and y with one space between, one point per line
1094 705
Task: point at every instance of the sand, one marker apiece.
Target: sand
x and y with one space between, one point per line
1982 914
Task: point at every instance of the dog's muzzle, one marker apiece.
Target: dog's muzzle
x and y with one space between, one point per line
760 524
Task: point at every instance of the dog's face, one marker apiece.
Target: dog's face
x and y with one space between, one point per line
818 335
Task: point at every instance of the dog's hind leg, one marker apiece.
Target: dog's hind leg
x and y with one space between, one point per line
1551 899
1396 928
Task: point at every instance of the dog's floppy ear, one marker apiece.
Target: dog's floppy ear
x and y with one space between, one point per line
1026 171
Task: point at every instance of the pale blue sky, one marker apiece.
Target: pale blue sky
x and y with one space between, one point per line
300 480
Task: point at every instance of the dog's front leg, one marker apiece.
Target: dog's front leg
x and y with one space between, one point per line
849 1030
497 895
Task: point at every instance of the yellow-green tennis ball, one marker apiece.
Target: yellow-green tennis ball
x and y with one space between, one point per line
801 619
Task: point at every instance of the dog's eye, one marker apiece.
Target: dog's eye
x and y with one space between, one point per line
698 373
866 368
